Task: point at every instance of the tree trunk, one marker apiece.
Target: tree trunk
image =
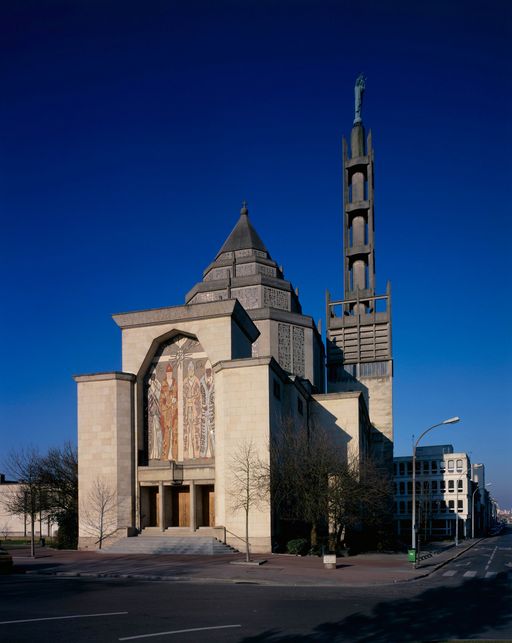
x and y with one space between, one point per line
247 552
32 537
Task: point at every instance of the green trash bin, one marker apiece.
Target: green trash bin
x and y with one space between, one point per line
411 555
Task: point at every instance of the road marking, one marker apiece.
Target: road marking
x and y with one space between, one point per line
469 574
60 618
194 629
490 574
490 558
451 572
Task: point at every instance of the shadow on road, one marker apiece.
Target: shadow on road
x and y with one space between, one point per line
459 612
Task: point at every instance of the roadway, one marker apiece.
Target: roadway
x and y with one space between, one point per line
470 597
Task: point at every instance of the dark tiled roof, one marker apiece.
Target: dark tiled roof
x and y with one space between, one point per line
243 236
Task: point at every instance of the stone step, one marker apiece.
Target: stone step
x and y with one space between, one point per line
188 545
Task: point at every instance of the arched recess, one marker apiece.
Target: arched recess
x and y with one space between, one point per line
175 401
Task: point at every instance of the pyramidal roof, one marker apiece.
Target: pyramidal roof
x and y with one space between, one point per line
243 236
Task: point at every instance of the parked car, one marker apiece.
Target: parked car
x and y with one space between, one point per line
5 562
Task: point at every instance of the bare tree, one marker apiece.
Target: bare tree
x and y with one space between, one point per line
98 512
249 484
28 497
4 530
59 473
313 482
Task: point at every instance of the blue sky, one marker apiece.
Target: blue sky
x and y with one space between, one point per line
131 132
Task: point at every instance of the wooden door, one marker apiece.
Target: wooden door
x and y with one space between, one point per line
207 506
153 507
181 507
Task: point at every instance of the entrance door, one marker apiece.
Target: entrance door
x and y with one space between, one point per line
208 505
181 507
154 507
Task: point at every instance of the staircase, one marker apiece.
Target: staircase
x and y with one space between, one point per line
171 541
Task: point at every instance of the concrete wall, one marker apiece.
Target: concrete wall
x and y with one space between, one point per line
105 445
242 418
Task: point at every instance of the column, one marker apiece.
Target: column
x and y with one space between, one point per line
161 505
192 506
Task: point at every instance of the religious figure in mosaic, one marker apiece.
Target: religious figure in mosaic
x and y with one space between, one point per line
155 429
192 413
169 415
207 438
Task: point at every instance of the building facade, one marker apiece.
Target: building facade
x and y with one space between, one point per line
445 482
234 365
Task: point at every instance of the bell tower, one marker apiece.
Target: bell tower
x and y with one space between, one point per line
358 333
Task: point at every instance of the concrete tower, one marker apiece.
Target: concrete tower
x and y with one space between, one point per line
359 353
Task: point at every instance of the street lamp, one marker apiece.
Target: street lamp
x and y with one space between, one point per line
488 484
453 420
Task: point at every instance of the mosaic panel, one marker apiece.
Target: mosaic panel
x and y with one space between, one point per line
276 298
180 402
284 346
298 350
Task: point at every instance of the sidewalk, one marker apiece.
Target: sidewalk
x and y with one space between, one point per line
279 569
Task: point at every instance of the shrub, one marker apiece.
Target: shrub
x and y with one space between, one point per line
298 546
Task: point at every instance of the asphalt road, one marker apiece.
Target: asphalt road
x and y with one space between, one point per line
470 597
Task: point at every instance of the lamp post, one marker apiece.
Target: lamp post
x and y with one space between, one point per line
488 484
453 420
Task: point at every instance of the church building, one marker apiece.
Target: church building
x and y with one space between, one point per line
231 366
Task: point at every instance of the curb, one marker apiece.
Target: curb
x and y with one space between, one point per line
445 562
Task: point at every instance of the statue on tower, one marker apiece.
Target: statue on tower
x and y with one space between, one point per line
358 92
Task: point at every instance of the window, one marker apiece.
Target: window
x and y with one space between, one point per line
459 485
409 487
300 406
451 486
277 390
459 465
396 468
433 464
442 465
409 468
402 507
442 486
418 487
402 468
425 486
409 507
425 466
418 466
443 506
450 466
395 487
434 486
459 505
451 505
402 488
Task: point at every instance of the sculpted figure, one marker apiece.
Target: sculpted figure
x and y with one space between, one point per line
192 413
154 427
358 93
169 415
207 437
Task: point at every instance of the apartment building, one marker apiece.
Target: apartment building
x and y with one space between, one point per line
444 492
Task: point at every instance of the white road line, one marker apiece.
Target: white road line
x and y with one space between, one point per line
451 572
490 574
490 558
60 618
194 629
469 574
